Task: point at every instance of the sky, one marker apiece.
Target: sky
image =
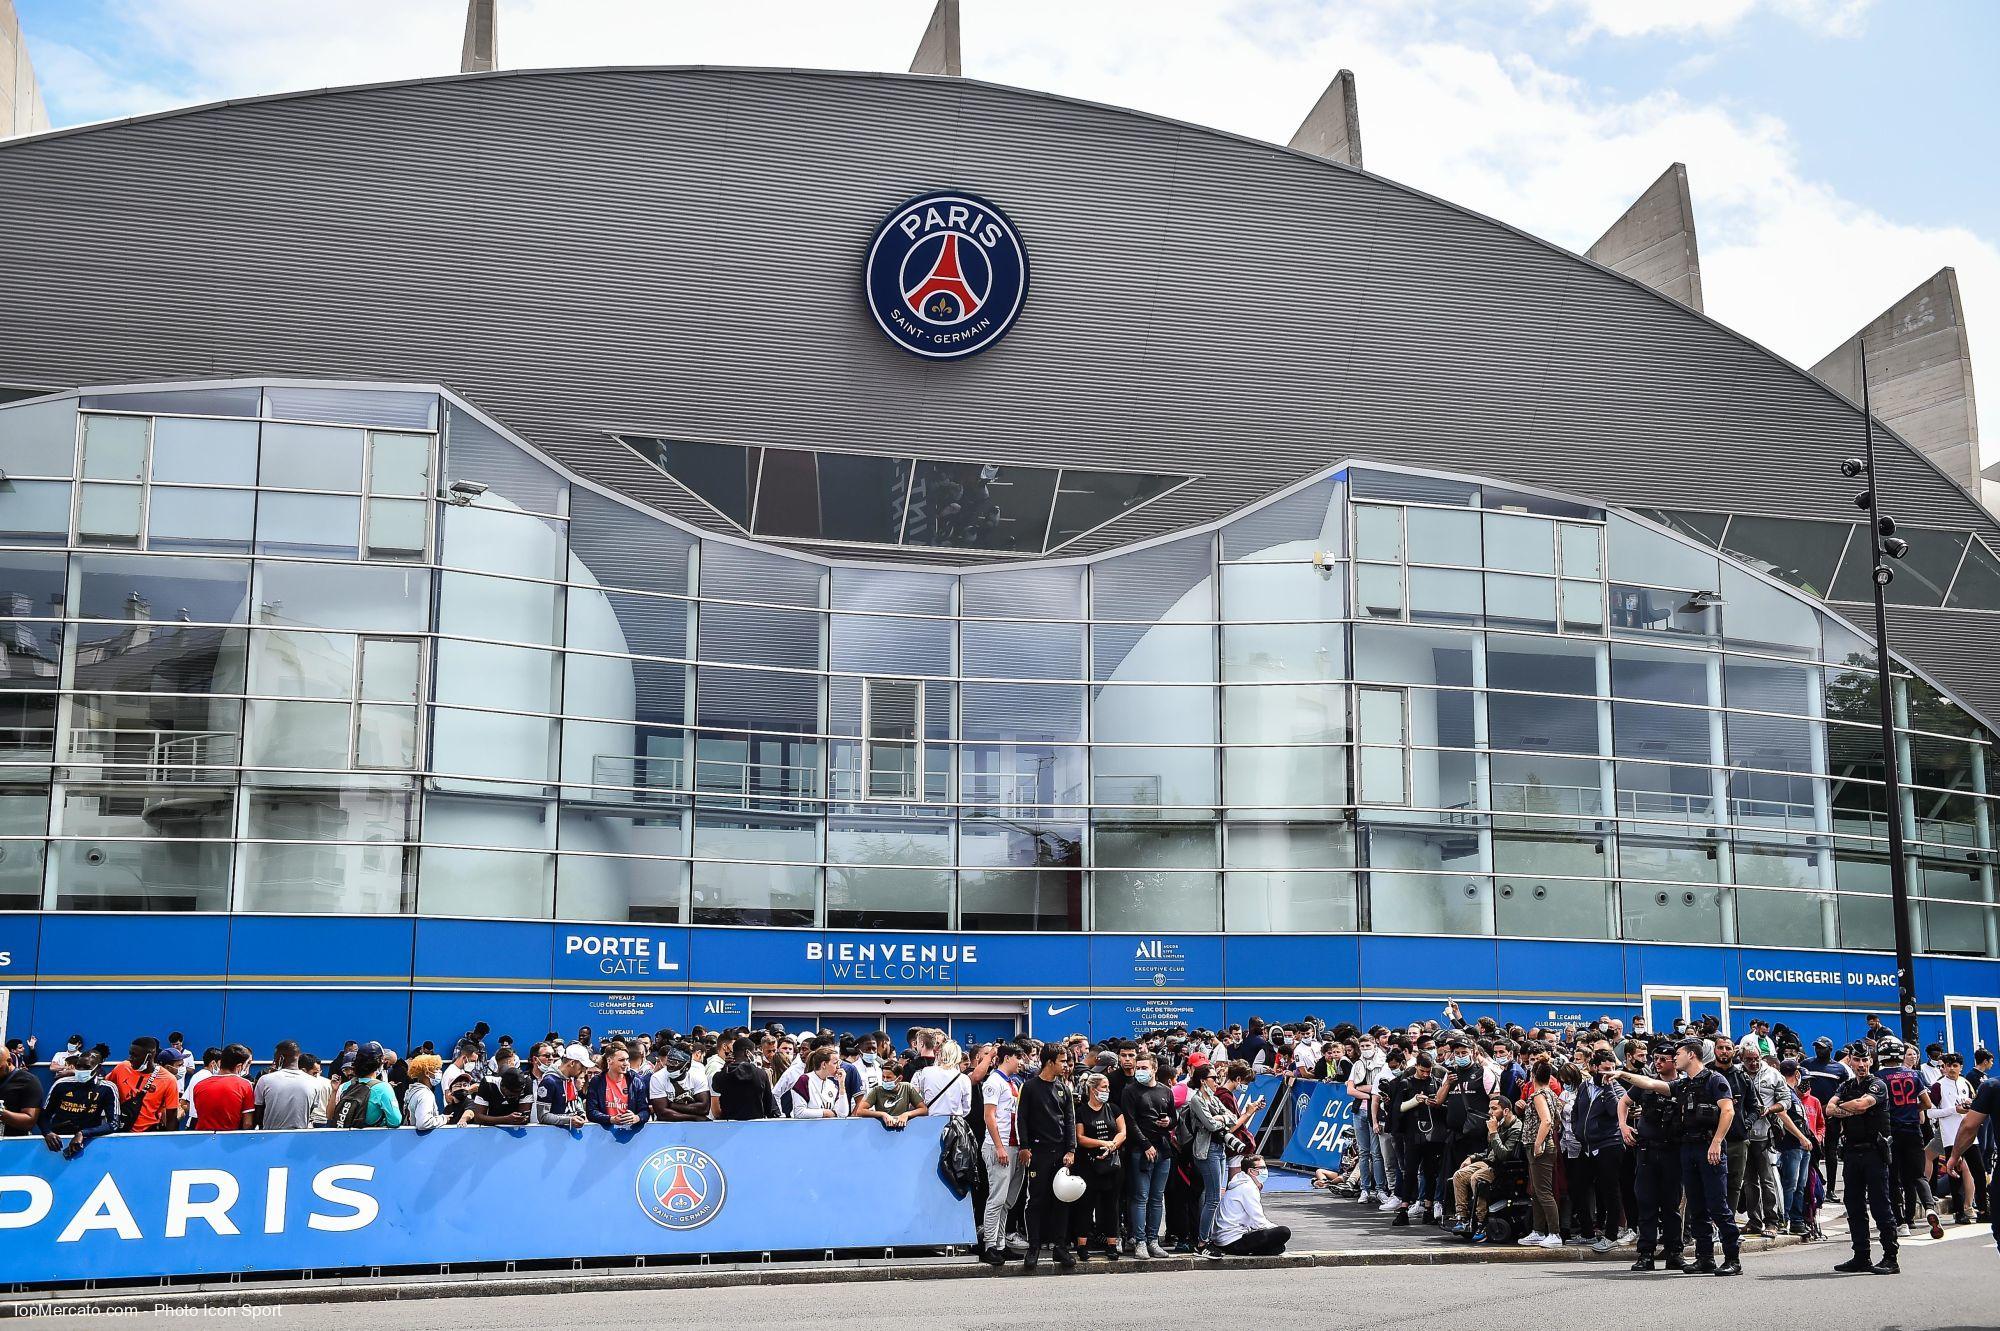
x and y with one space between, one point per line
1839 152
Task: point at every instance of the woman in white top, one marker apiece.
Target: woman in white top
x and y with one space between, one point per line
944 1085
1951 1096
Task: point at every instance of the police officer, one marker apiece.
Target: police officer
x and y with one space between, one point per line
1861 1107
1707 1110
1649 1122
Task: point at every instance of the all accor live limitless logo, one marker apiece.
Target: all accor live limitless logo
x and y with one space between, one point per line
946 275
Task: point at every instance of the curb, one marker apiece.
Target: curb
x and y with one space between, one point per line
488 1285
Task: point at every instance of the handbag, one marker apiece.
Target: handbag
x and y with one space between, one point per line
958 1158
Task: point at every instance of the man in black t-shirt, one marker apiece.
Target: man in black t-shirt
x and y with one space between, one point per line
1046 1124
20 1098
1985 1109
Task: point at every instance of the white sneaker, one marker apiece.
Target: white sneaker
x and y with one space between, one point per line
1017 1243
1391 1204
1627 1237
1366 1199
1552 1241
1437 1209
1536 1240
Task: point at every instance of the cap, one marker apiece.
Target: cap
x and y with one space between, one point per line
576 1053
1787 1066
1690 1043
169 1057
372 1047
1824 1042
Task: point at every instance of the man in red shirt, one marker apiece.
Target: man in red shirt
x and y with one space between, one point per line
226 1101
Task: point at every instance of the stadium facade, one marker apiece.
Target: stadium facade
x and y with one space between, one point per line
480 549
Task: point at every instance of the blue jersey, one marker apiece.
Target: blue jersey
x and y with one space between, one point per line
1906 1100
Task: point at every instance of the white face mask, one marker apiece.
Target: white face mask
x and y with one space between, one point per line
1259 1175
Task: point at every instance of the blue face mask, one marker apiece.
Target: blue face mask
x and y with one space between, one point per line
871 1059
1143 1076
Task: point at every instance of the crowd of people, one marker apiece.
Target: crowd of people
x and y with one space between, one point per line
1139 1148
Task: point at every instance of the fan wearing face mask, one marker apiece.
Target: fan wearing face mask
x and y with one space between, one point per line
1241 1228
1149 1156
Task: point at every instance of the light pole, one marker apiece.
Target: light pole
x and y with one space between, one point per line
1883 545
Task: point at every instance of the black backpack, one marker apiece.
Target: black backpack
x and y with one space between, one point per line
958 1156
351 1110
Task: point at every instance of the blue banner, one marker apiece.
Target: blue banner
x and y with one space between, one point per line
1270 1088
1323 1109
191 1203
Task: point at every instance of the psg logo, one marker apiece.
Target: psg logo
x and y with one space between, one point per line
681 1188
946 276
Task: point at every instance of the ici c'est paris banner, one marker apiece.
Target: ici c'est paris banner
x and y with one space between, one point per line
189 1203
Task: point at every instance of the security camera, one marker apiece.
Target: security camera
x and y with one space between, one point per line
462 493
1884 575
1895 547
1853 467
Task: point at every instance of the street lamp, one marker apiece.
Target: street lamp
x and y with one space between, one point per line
1884 545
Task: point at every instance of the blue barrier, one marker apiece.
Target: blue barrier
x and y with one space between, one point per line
1323 1110
199 1203
1268 1087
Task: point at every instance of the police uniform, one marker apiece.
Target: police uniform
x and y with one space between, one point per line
1654 1119
1705 1185
1864 1152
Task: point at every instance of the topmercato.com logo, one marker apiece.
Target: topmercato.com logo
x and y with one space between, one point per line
946 276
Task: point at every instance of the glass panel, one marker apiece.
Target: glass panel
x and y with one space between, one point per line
1087 500
1792 550
385 737
975 506
1658 793
185 401
22 813
1284 593
35 513
1282 651
160 738
1300 782
1657 674
1978 584
613 887
1519 544
1520 602
1181 781
479 607
304 735
1372 483
1767 918
1541 666
475 451
1159 878
1444 596
1652 610
483 745
110 513
1582 550
1152 714
352 406
1640 555
1448 899
302 665
1671 911
114 448
1022 712
1153 653
201 452
722 475
1378 591
1020 776
486 884
397 526
383 600
118 855
308 873
1037 593
1289 878
1029 875
1535 784
729 890
1022 651
39 439
202 520
1413 656
1539 894
325 526
1583 606
1444 536
1378 532
400 464
146 587
1549 725
1668 734
832 496
1921 576
879 898
311 457
1754 611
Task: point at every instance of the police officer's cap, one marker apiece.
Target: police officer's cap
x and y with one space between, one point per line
1691 1043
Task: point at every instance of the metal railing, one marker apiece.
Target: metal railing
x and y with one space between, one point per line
164 756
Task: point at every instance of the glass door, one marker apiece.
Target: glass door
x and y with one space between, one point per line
1666 1004
1971 1023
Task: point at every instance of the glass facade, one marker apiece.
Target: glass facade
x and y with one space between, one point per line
257 660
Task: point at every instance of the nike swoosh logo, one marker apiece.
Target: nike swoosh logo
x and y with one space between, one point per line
1055 1011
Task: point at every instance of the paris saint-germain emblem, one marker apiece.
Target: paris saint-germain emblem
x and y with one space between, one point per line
681 1188
946 276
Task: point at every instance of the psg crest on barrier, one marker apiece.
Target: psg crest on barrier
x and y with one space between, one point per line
681 1188
946 276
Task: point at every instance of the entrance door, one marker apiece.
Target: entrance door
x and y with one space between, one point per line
1666 1004
973 1031
1971 1023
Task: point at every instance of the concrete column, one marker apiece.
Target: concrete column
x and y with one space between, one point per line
939 52
1653 241
1332 129
481 50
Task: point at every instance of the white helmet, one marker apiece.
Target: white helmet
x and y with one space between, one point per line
1066 1186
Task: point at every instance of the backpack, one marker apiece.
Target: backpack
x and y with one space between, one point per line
958 1157
351 1110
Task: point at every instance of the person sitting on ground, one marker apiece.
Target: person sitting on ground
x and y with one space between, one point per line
1504 1135
1241 1228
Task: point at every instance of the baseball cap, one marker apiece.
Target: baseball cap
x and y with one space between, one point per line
169 1057
576 1053
1787 1066
1824 1042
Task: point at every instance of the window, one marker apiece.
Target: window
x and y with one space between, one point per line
892 739
1381 719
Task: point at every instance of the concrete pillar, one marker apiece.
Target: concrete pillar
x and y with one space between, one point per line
1653 241
482 37
21 109
1919 376
938 52
1332 129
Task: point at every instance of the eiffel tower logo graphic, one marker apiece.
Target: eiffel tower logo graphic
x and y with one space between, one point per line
680 1196
942 295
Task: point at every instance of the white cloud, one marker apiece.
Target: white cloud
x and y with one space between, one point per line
1787 259
1644 18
